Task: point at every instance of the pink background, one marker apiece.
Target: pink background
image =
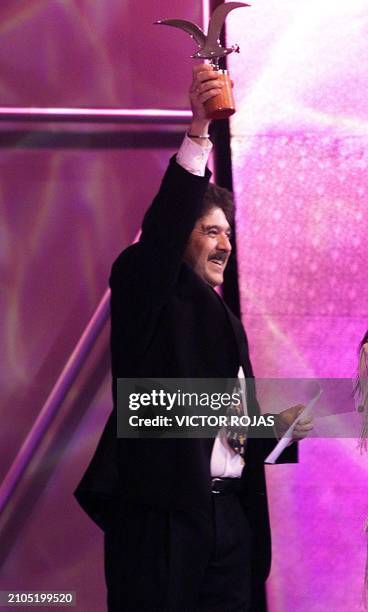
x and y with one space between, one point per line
300 158
72 196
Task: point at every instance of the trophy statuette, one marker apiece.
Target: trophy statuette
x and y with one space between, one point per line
210 48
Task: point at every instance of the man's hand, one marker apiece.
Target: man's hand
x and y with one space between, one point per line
205 85
285 418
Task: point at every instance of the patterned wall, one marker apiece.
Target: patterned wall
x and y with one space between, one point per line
300 156
71 197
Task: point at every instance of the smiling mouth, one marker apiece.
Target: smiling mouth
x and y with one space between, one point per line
218 262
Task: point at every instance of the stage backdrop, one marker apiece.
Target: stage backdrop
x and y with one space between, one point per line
72 196
300 157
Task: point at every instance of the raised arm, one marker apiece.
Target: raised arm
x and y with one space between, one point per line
171 217
145 273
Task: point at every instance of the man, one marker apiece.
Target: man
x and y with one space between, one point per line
185 520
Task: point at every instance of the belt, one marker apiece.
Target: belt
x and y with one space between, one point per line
226 486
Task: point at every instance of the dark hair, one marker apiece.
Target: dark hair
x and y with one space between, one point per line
219 197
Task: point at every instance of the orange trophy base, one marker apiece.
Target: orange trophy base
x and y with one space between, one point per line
222 105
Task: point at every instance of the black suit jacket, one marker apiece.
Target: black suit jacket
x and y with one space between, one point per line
166 322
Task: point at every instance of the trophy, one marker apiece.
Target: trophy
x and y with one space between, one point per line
210 48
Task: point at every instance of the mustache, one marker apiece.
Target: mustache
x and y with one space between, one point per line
219 256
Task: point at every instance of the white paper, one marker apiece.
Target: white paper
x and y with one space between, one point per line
285 440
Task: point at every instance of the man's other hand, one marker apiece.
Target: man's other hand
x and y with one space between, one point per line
285 418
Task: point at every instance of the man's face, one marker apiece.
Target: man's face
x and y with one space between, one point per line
209 248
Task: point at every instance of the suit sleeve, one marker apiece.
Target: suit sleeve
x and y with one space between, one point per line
144 274
168 224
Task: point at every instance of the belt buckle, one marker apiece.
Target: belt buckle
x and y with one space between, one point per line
212 484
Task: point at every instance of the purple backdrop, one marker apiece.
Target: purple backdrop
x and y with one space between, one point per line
300 156
72 196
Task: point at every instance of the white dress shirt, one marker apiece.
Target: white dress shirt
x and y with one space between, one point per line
193 156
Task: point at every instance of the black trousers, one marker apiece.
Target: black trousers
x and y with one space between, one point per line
174 561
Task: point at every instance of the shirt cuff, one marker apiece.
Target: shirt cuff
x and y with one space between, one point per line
193 157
